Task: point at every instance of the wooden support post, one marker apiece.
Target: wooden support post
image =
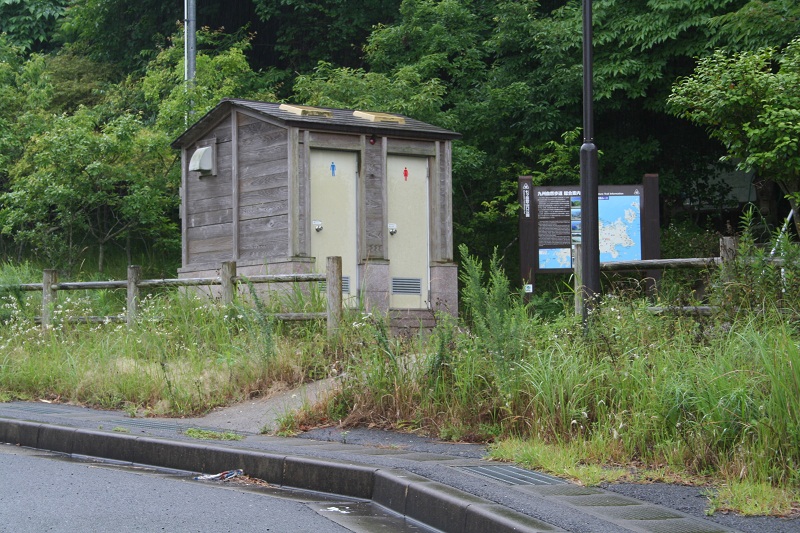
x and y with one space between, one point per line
727 249
227 275
577 272
333 274
134 276
49 278
727 254
651 231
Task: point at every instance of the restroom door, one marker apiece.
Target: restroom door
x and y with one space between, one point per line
334 227
407 196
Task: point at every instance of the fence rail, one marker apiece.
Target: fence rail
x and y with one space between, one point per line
727 252
228 280
660 264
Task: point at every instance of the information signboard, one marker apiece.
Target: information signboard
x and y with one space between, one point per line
550 224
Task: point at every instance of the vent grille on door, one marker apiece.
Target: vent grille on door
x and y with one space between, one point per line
345 285
412 286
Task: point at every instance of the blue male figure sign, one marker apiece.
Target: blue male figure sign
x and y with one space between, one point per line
333 168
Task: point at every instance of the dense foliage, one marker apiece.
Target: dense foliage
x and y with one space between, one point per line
506 74
92 94
750 101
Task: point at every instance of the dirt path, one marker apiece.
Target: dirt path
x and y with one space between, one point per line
261 415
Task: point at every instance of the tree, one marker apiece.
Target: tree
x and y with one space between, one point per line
89 179
288 36
26 96
30 24
104 173
222 72
309 31
750 101
511 76
758 24
117 32
504 73
403 92
35 90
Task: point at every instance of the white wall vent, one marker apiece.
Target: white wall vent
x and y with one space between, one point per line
204 160
410 286
323 286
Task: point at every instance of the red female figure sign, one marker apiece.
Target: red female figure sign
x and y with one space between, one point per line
405 173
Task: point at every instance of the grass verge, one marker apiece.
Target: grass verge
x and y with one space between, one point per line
185 356
632 397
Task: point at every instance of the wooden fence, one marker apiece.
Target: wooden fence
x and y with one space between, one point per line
727 252
227 279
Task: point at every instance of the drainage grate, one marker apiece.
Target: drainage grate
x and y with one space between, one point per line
41 409
514 475
167 425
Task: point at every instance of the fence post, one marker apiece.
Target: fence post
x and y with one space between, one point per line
134 276
227 275
49 278
577 271
333 287
727 248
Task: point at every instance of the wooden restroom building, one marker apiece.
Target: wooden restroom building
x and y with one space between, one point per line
279 187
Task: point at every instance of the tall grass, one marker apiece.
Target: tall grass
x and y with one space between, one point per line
706 395
185 355
715 395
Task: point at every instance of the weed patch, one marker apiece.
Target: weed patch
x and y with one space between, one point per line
185 356
204 434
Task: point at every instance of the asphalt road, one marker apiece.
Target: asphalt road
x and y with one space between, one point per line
441 464
44 492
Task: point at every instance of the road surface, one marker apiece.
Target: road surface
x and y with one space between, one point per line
41 491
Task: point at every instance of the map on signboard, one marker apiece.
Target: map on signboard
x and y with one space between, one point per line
558 225
555 258
620 228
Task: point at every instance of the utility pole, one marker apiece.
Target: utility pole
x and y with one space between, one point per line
189 50
590 238
190 40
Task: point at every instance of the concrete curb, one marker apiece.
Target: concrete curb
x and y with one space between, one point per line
433 504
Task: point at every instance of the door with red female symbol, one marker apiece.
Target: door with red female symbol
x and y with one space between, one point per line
408 219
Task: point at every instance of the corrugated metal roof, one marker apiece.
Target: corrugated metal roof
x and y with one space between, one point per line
343 120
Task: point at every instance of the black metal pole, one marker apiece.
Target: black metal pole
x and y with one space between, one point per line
590 240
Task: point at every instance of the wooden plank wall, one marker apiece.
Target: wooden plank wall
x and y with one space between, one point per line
264 194
263 190
208 211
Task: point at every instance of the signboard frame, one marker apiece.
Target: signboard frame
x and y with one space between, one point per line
538 215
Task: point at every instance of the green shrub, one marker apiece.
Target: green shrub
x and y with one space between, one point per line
753 282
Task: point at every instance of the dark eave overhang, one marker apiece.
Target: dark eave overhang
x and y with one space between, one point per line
338 120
